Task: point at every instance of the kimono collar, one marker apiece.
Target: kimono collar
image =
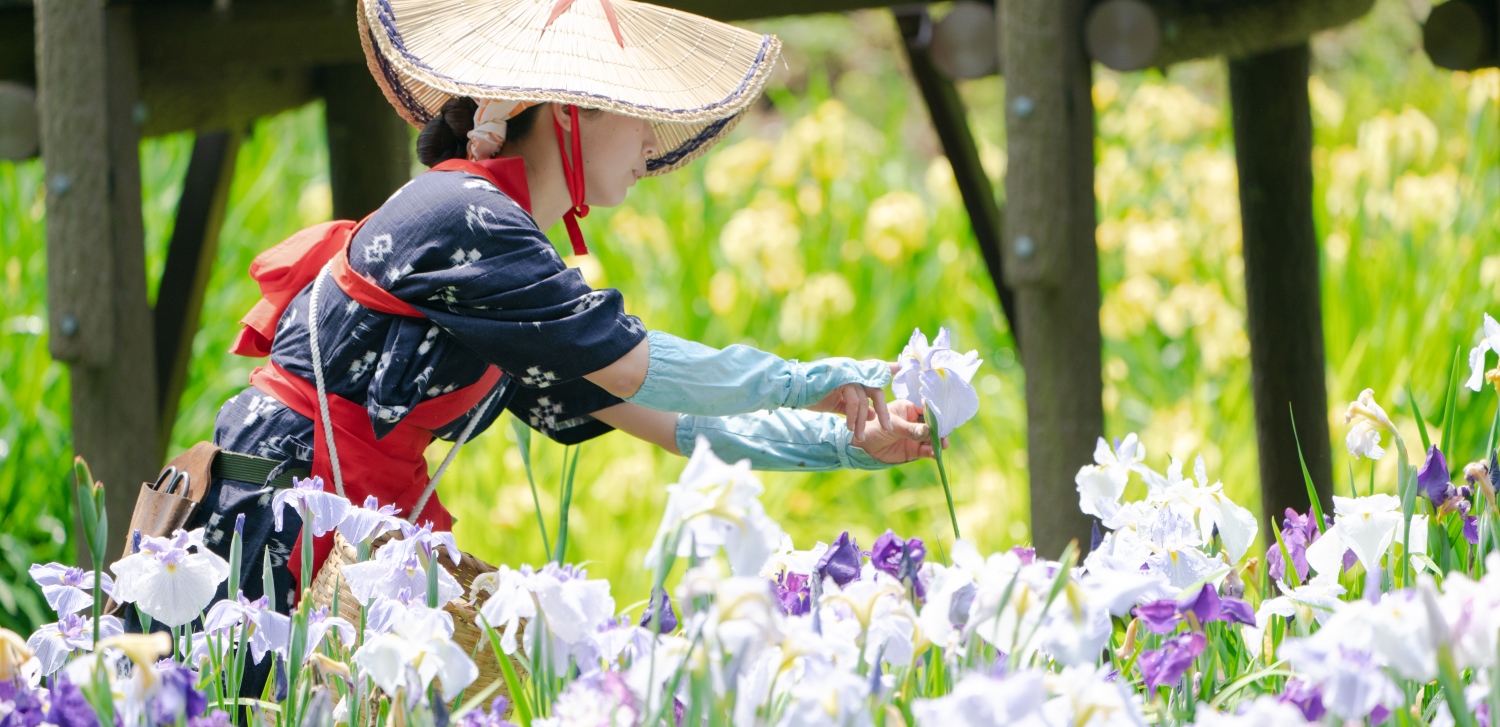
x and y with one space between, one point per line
506 173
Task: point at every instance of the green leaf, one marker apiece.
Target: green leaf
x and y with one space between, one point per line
1312 491
523 440
1452 405
570 469
1416 413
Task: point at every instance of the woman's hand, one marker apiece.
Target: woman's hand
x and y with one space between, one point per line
850 400
906 440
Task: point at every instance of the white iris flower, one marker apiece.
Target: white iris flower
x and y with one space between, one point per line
938 376
171 579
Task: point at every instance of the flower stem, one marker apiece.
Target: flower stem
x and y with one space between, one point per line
937 456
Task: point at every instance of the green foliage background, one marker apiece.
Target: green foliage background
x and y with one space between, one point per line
830 225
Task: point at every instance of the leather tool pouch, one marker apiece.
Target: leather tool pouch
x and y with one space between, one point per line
165 505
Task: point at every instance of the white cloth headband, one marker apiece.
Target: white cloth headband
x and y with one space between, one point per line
489 127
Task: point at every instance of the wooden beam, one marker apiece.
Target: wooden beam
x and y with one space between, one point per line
369 145
20 137
87 73
1117 35
1050 254
1273 149
190 258
74 137
951 123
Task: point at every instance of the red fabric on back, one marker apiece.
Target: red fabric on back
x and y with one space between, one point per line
392 468
283 271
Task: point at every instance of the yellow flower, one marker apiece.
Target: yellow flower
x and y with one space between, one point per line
732 171
895 223
723 290
13 653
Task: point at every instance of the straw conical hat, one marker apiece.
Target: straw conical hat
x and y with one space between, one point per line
693 77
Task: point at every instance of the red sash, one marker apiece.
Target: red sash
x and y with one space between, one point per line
393 468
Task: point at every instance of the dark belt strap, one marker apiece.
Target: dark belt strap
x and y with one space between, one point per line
250 468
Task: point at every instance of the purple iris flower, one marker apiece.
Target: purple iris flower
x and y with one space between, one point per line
1163 616
25 707
842 560
793 594
1471 529
325 510
668 616
1305 696
1433 478
175 697
1160 617
495 718
70 708
214 718
1165 666
900 559
1027 555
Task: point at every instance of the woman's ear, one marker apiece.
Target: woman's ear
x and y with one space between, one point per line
560 115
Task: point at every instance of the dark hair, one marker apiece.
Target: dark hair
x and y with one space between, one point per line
446 136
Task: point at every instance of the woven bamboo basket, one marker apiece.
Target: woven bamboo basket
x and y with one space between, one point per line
467 632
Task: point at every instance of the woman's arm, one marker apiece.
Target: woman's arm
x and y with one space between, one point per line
780 439
656 427
696 379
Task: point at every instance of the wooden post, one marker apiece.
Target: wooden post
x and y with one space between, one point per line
369 146
190 258
1273 148
951 123
100 319
1050 254
1462 35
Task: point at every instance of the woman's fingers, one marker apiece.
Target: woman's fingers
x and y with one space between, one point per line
882 412
854 410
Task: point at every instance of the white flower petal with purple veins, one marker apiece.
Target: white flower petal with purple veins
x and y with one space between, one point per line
171 579
572 606
319 623
1368 525
952 399
54 643
418 650
394 569
325 509
1099 491
1181 568
510 602
1490 342
716 505
68 589
939 377
364 523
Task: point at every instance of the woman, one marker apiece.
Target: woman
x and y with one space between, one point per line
448 304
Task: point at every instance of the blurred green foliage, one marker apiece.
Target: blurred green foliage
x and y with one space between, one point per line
830 225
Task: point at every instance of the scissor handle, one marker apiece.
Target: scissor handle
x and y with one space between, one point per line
170 477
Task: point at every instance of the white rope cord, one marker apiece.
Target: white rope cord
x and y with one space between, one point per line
317 364
462 438
333 452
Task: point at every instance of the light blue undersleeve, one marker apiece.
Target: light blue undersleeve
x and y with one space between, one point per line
690 378
785 439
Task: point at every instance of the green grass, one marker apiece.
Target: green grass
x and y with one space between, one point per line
829 226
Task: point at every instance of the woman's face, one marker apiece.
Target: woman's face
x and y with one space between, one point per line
615 150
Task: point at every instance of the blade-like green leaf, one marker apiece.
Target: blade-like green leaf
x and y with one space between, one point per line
1312 491
1416 413
1452 405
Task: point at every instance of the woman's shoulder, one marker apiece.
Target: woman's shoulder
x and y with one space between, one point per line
455 197
442 221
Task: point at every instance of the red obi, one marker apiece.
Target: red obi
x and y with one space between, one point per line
392 468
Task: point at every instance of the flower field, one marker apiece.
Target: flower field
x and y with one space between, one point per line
1380 610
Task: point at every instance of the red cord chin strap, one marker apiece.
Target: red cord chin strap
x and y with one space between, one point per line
573 174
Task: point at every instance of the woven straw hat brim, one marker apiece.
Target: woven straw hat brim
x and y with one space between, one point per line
690 76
